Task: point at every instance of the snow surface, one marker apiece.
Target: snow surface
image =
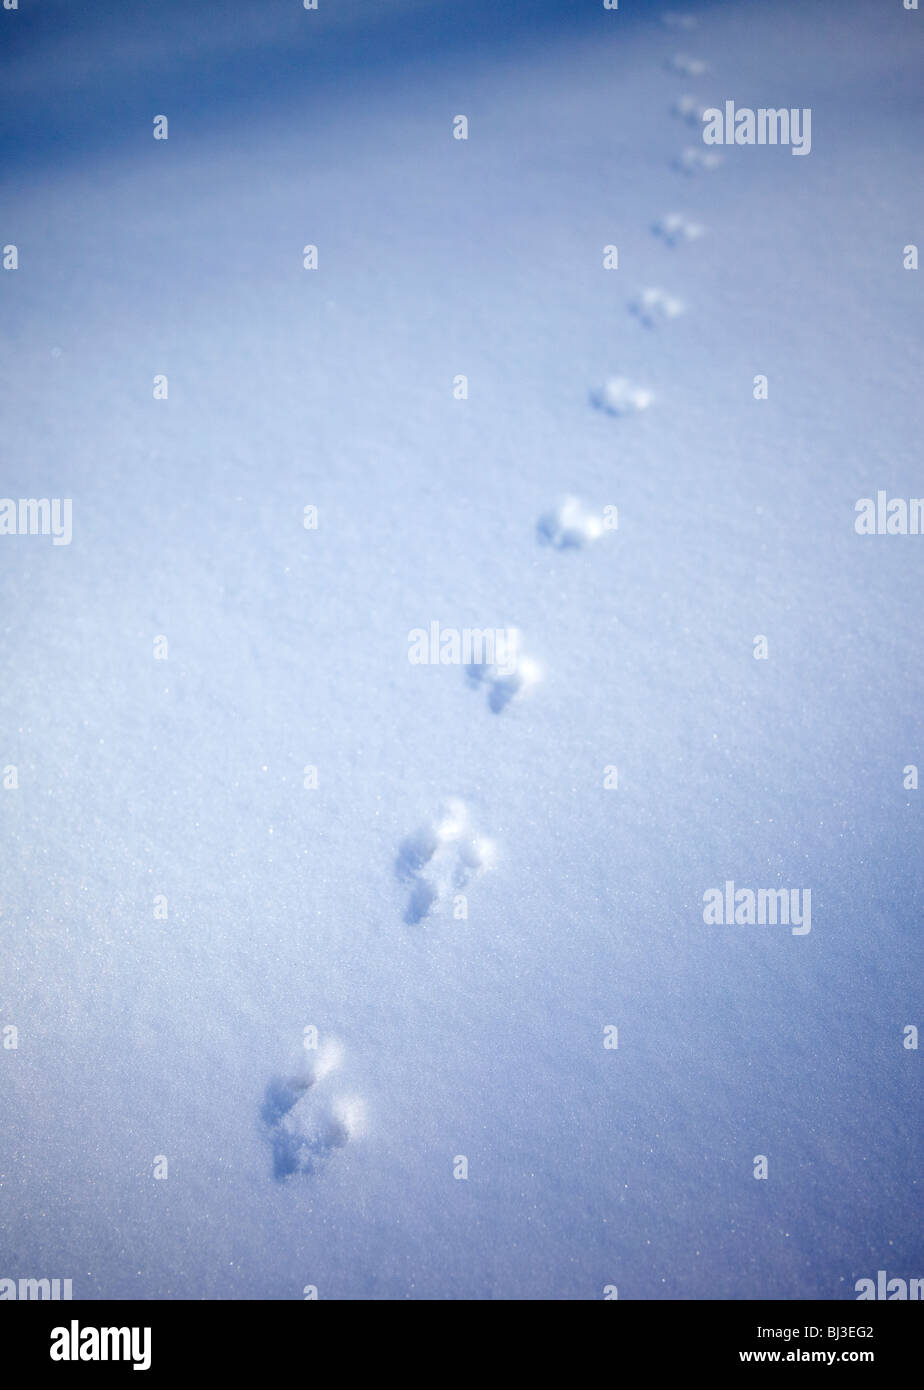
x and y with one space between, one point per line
288 904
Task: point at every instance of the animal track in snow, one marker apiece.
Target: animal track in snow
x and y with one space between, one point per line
306 1118
689 109
674 229
617 396
511 673
690 67
570 526
694 161
440 858
654 307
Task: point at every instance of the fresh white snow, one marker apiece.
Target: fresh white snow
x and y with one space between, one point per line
306 806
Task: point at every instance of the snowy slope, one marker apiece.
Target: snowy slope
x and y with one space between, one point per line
288 907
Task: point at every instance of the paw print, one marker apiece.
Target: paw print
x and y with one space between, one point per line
654 307
620 397
693 161
675 229
306 1116
689 67
440 858
570 526
689 110
512 673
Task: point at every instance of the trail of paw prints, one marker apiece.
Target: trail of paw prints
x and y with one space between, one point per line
693 160
306 1116
510 674
440 858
